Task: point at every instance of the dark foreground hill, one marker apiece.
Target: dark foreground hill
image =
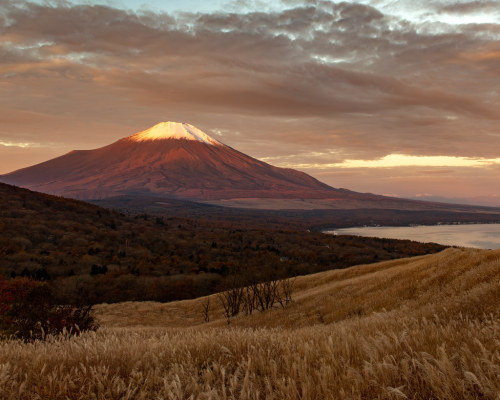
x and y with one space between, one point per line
87 250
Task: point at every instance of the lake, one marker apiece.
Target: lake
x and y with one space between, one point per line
483 236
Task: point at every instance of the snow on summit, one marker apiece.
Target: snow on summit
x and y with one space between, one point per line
174 130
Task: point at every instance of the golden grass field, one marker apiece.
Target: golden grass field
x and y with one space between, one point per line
420 328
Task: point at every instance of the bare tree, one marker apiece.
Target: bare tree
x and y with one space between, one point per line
265 294
231 301
248 300
224 301
259 296
206 309
286 286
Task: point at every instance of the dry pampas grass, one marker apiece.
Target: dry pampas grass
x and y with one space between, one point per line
421 328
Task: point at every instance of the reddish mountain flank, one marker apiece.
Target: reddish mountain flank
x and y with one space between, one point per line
170 159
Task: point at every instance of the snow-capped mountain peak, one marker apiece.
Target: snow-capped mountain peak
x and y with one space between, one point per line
174 130
170 159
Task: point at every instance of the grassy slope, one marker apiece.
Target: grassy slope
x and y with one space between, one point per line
421 328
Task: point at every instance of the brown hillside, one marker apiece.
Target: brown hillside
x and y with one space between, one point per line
423 328
79 247
465 281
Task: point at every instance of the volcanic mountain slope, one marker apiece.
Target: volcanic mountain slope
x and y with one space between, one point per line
177 160
170 159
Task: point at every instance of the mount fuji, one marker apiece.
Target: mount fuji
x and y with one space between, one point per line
170 159
178 161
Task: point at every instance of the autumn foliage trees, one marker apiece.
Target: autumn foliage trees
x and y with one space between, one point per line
75 246
28 311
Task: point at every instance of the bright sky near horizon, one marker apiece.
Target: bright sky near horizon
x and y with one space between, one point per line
393 97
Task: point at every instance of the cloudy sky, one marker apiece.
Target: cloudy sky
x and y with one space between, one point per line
392 97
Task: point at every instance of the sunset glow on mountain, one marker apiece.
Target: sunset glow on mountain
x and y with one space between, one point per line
173 130
386 97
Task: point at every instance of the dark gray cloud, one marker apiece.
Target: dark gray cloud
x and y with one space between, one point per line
470 7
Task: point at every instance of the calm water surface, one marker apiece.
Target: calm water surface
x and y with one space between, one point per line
483 236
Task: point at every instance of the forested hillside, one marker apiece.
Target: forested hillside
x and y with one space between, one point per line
90 251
